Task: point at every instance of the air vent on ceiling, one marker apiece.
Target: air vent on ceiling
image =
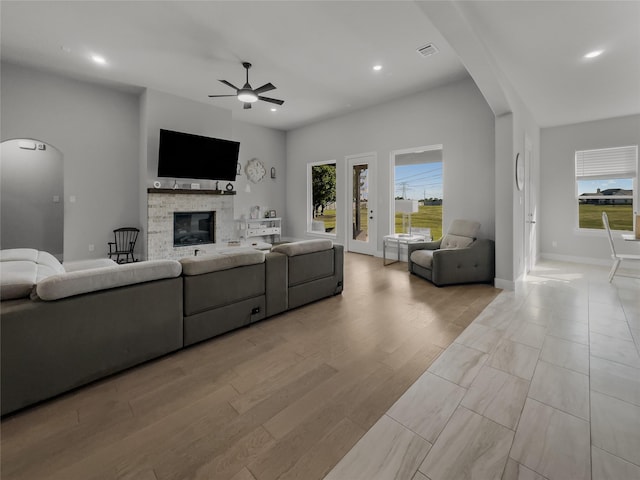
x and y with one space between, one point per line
428 50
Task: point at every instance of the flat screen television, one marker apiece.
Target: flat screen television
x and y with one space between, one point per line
183 155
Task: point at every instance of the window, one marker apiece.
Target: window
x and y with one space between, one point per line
418 176
605 182
321 187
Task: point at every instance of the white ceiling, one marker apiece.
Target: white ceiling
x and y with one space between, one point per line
320 54
539 46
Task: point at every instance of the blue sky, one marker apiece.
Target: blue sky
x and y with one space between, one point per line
591 186
419 181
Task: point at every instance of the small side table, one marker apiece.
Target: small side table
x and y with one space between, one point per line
398 239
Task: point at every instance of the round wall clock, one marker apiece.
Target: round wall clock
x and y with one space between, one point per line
519 171
255 170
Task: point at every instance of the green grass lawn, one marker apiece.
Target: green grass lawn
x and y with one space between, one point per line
620 216
429 216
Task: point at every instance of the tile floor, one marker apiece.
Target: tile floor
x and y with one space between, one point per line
544 384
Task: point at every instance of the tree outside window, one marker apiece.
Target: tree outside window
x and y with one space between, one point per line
323 198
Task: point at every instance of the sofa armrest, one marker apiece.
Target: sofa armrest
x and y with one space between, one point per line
475 263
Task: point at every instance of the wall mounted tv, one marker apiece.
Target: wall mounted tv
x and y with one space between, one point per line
183 155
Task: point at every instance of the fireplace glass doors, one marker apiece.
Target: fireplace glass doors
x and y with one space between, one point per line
193 228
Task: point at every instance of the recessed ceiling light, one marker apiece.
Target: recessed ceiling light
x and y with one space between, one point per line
377 68
274 109
99 59
594 54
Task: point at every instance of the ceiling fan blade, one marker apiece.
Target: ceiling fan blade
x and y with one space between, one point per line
229 84
271 100
214 96
264 88
247 106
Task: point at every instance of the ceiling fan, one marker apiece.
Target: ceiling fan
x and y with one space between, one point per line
247 94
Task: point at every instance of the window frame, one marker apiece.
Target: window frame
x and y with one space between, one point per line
309 231
633 176
392 177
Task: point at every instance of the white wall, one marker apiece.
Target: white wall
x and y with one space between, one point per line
557 201
455 115
96 129
268 145
523 124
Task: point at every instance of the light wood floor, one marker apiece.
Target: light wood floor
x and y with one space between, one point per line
286 398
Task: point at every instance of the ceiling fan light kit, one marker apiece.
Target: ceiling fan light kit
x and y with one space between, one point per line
248 95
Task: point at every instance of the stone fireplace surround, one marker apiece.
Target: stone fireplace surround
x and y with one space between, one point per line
162 203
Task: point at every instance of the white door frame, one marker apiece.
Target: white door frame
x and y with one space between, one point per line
370 246
530 208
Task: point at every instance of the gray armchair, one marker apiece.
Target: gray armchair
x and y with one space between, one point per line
458 257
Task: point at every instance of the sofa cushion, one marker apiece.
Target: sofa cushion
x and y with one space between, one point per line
85 264
94 279
22 268
12 254
17 279
45 259
424 258
302 247
220 261
310 267
455 241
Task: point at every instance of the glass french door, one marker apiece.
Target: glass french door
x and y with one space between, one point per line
361 202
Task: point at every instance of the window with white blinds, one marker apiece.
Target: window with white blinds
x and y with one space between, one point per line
619 162
606 181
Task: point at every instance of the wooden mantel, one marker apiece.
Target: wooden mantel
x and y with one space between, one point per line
189 191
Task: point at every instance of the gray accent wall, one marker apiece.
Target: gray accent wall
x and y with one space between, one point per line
109 140
96 130
558 202
455 115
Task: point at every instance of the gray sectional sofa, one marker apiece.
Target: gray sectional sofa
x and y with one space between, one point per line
63 328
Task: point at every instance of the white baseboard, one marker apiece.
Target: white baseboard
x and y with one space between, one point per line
504 284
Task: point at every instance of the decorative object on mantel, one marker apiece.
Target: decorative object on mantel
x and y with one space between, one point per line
272 214
175 185
255 170
196 186
190 192
229 187
157 184
273 172
254 212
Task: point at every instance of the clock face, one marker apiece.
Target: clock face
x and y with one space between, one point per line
255 170
519 171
